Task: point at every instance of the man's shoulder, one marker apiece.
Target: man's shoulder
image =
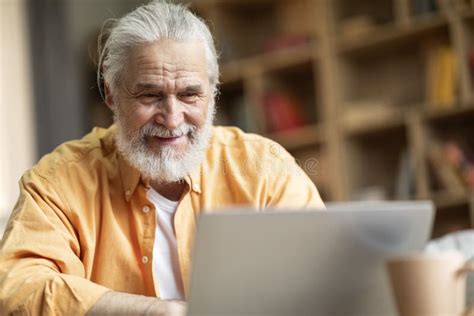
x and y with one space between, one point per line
78 154
233 140
231 136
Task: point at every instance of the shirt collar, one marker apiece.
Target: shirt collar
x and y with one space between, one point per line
131 178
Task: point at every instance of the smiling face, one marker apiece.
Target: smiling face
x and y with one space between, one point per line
163 108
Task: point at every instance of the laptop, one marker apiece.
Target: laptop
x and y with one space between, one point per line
303 262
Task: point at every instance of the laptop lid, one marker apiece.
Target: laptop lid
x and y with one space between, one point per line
304 262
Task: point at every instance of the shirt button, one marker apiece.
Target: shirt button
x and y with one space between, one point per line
128 192
145 259
146 209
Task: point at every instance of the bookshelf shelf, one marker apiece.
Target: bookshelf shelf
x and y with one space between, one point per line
387 37
286 58
457 124
376 125
450 113
233 71
307 136
361 14
397 120
280 59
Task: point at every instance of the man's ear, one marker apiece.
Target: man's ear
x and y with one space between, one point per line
109 99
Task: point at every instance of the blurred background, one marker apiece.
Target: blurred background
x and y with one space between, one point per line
373 98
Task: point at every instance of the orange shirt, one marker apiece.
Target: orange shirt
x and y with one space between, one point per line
83 225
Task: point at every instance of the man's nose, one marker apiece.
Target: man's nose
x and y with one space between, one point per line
171 115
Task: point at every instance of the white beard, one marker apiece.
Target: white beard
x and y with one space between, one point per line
163 165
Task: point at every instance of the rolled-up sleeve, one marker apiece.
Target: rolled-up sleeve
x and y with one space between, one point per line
41 272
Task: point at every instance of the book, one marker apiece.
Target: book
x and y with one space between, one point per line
445 175
282 112
448 76
441 76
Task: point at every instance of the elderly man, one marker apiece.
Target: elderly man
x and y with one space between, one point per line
104 225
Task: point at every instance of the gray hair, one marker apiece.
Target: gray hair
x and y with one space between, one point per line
147 24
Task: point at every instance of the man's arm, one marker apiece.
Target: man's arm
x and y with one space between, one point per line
41 272
116 303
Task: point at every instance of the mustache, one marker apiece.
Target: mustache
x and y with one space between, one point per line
157 130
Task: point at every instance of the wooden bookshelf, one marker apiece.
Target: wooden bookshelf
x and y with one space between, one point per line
360 73
452 112
389 36
234 70
306 136
375 125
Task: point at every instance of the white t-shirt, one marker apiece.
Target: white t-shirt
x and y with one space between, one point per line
166 271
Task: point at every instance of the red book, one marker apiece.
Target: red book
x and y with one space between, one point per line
282 112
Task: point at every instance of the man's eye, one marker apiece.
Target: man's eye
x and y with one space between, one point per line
150 97
189 95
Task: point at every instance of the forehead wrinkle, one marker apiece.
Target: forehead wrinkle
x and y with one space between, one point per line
176 76
154 81
168 56
180 75
153 66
